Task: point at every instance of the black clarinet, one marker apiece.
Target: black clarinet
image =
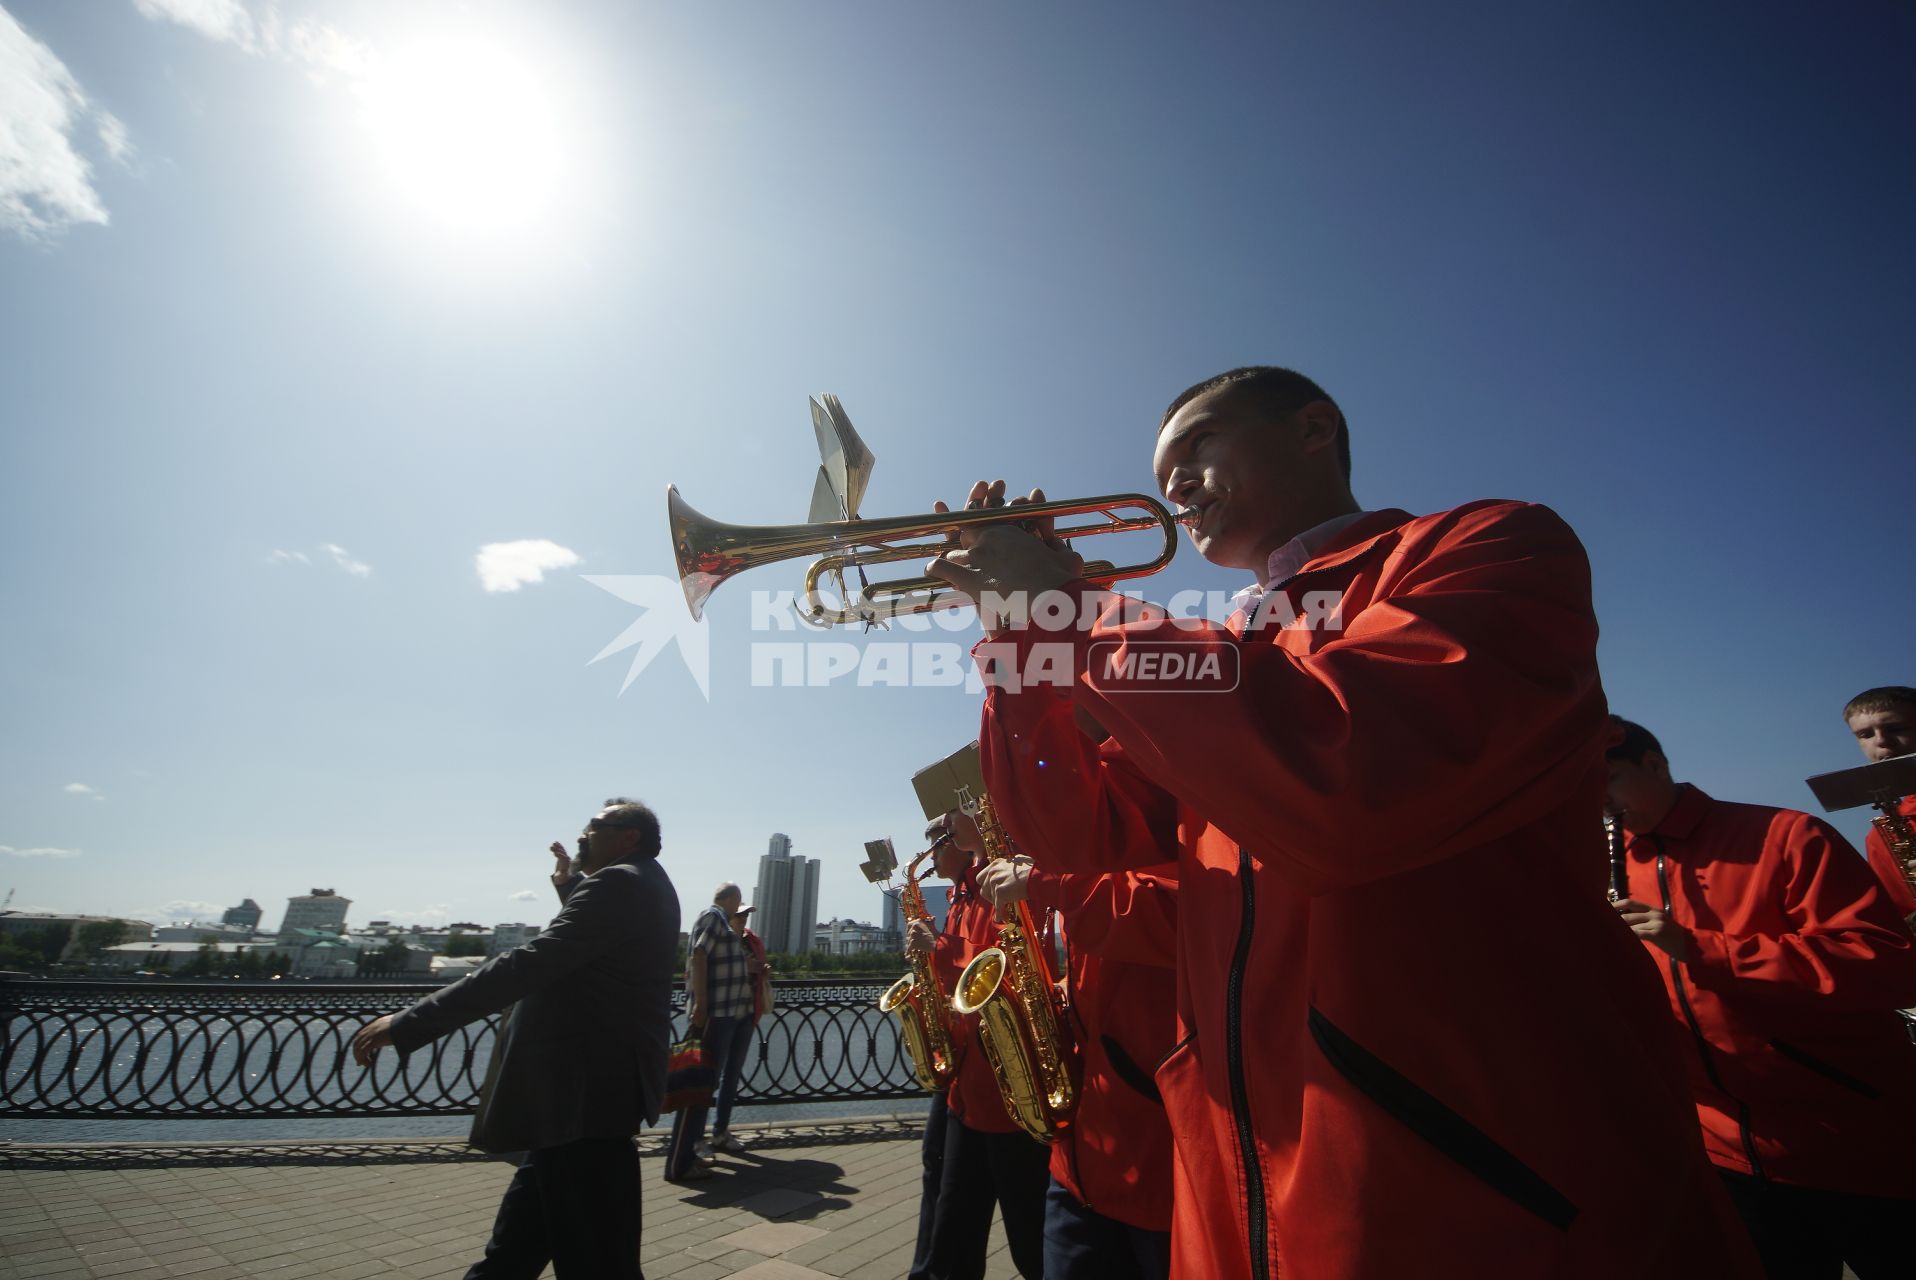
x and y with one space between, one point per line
1619 867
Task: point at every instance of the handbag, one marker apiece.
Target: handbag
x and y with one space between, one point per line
689 1077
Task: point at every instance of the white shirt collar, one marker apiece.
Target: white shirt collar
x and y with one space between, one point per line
1294 555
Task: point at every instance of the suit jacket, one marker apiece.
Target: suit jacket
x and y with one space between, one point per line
583 1052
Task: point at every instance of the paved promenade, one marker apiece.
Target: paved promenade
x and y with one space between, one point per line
808 1201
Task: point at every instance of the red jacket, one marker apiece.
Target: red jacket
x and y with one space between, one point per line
1120 931
970 927
1887 869
1412 1026
1800 1064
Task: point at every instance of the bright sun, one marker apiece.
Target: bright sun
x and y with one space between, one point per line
467 134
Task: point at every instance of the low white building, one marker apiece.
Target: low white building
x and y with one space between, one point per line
507 936
23 926
169 957
854 938
453 968
196 931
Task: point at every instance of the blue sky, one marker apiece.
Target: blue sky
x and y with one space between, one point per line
265 297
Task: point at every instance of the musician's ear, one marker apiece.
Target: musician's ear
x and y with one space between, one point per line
1318 424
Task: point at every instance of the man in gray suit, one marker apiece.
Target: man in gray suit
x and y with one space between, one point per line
580 1061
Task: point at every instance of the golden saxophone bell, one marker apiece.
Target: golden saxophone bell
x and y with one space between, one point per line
708 552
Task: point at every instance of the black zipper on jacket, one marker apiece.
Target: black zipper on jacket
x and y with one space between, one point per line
1696 1032
1256 1212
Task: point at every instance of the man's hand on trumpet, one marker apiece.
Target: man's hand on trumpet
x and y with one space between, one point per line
1006 559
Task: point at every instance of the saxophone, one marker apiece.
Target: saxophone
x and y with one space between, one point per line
1899 837
1012 990
1619 860
916 999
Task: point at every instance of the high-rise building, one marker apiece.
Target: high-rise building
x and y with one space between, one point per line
786 898
246 915
322 909
892 920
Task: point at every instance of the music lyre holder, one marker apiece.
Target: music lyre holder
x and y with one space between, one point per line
1881 784
880 860
956 782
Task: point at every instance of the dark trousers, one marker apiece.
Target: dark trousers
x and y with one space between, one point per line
978 1171
688 1126
1803 1233
736 1055
575 1206
1080 1244
932 1157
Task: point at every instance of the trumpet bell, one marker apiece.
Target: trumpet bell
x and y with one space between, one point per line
694 546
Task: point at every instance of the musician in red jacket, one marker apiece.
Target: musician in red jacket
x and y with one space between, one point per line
1108 1213
984 1158
1785 964
1410 1026
1884 722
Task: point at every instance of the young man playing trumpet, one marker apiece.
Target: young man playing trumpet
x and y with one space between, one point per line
1410 1022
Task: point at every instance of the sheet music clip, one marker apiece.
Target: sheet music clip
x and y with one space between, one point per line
956 782
880 860
1881 783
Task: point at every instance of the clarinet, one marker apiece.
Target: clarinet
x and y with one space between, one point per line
1619 868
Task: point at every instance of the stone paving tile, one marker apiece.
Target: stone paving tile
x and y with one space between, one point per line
824 1200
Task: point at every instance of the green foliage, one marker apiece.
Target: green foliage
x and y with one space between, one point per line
34 949
207 962
390 958
466 944
24 959
98 935
818 964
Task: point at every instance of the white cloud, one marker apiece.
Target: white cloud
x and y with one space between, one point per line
45 185
432 913
178 909
358 568
113 136
341 558
507 566
12 852
223 20
77 789
321 49
525 895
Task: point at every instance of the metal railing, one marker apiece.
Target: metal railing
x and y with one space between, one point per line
152 1050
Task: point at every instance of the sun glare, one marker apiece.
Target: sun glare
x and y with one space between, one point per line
467 135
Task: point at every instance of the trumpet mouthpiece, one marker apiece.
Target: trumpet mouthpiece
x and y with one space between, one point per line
1188 517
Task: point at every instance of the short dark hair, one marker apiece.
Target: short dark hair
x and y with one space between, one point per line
1636 742
1275 391
1883 698
622 812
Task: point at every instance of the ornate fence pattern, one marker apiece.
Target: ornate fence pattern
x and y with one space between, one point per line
137 1050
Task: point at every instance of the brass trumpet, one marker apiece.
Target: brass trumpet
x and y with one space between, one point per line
710 551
